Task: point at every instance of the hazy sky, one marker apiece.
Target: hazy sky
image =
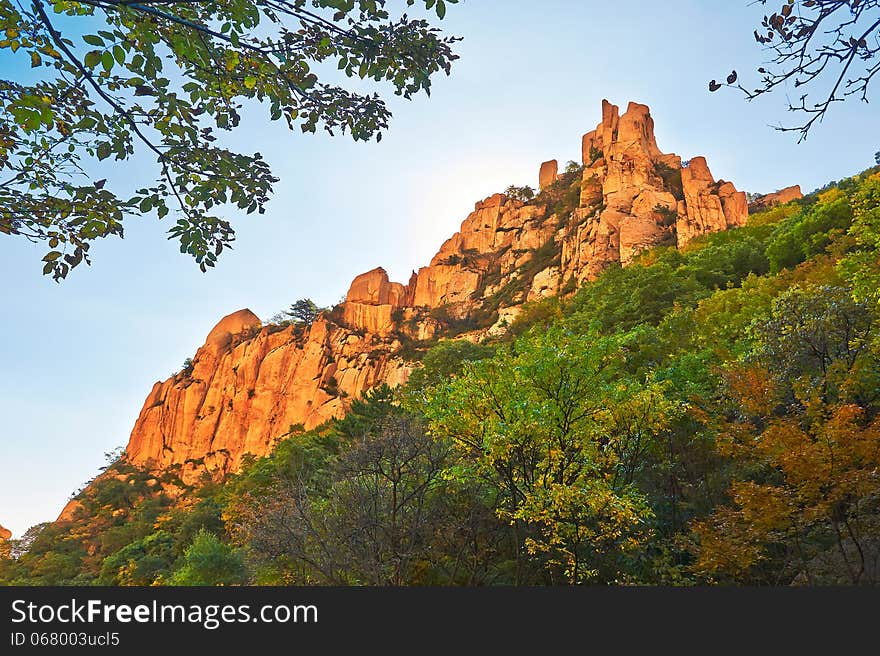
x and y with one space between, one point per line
80 357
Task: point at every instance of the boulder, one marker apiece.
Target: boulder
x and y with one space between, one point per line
374 288
545 283
232 324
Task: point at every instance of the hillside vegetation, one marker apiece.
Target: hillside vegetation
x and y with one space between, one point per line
707 415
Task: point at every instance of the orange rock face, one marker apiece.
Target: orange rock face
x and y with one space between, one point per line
5 534
371 300
247 388
780 197
547 176
710 206
250 382
634 197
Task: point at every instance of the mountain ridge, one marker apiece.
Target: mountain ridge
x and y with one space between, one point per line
250 383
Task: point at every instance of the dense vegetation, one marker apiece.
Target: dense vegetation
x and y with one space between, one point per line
710 415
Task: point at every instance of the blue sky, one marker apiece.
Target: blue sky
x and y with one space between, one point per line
80 357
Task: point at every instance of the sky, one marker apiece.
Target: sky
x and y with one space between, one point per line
80 357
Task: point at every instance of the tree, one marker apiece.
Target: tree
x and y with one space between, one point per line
863 264
303 313
445 360
830 46
533 421
809 510
877 158
524 194
817 343
208 561
801 428
142 562
573 167
162 78
371 522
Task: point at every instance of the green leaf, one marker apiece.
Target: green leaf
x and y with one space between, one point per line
107 61
93 40
92 58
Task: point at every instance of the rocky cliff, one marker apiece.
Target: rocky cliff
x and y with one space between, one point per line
5 534
250 383
780 197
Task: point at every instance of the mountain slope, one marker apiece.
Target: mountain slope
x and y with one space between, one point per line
249 383
706 414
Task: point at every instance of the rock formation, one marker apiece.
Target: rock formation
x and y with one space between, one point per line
5 534
548 174
780 197
250 383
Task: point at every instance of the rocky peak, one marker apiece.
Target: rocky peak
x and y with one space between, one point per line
5 534
374 288
250 383
232 324
548 174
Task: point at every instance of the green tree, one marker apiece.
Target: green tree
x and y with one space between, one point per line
446 359
116 78
811 232
625 297
862 266
532 421
524 194
208 561
372 525
817 343
142 562
302 313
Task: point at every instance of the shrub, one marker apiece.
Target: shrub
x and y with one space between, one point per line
445 360
523 194
538 313
809 233
208 561
671 179
667 215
